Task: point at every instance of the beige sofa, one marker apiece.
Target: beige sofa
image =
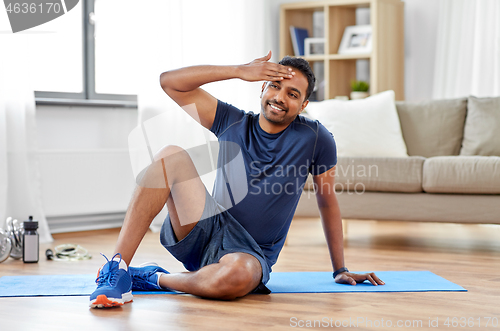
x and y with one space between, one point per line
452 173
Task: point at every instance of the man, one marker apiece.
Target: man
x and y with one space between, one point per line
229 243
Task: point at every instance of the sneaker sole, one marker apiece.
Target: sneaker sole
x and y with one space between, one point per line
102 301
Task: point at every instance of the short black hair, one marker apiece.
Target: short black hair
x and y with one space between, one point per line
303 66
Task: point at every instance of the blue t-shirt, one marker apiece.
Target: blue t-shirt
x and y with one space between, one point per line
264 174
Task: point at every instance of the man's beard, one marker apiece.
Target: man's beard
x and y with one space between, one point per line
269 118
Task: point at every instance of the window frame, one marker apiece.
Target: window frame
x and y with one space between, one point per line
89 96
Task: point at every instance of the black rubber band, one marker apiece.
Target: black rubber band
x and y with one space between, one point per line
339 271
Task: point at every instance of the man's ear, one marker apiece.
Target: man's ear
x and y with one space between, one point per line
304 105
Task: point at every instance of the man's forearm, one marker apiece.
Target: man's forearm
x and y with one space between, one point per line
332 226
190 78
330 216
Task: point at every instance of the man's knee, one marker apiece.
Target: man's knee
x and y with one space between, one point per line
169 151
240 275
163 171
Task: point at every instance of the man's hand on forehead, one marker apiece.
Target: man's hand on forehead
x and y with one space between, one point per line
261 69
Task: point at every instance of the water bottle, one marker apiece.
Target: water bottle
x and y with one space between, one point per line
30 241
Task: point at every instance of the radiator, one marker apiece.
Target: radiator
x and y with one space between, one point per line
85 189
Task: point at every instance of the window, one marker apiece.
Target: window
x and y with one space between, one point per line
84 56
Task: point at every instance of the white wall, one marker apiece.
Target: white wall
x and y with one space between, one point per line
420 41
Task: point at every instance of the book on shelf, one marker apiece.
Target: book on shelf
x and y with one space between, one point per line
298 35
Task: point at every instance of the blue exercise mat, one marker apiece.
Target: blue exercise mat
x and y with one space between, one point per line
280 282
395 281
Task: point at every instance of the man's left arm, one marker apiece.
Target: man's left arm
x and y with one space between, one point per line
332 226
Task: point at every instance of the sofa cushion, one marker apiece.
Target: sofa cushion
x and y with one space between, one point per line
481 133
462 174
385 174
367 127
433 128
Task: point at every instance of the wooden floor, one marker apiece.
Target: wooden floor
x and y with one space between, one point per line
468 255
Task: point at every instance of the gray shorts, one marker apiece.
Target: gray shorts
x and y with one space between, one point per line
211 239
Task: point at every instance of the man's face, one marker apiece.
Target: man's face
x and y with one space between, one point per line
282 101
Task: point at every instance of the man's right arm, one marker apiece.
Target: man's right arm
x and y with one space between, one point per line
183 85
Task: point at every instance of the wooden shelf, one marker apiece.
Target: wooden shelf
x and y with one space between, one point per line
386 61
348 56
322 57
313 58
319 5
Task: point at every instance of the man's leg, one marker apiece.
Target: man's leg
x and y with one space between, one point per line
172 176
235 275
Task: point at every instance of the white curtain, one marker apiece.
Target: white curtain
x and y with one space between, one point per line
468 49
20 192
191 32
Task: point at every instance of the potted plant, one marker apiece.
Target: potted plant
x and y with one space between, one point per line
359 89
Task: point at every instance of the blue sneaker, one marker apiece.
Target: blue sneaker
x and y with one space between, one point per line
146 277
114 285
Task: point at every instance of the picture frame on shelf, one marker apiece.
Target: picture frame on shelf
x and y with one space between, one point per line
357 39
314 46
